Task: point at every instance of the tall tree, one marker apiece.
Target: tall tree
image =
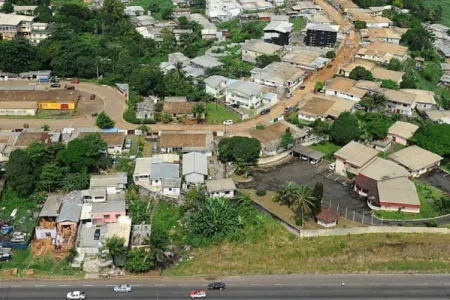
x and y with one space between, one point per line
51 177
304 202
418 39
104 121
158 242
199 110
114 8
287 140
7 8
16 55
115 247
317 195
287 194
19 174
345 129
239 148
361 73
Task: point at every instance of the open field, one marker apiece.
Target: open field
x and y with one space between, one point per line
445 9
280 252
326 147
216 114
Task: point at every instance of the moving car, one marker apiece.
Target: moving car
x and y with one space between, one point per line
228 122
216 286
76 295
123 288
55 85
265 111
197 294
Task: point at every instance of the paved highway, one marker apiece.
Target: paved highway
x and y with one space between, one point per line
255 287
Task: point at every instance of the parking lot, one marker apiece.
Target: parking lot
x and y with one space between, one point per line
336 188
437 178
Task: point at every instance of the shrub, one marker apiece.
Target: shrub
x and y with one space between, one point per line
260 192
298 221
260 127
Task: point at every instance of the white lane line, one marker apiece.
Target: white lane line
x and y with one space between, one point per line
256 284
278 284
160 285
16 286
110 285
39 285
63 285
88 285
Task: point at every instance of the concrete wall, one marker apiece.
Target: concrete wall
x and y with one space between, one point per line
368 230
272 159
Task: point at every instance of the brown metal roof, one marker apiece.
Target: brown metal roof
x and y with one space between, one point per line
328 215
168 140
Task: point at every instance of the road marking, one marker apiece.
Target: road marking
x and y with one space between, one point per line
160 285
88 285
278 284
40 285
256 284
63 285
16 286
110 285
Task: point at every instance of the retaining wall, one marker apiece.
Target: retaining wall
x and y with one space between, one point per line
272 159
371 229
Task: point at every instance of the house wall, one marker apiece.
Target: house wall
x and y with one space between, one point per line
400 108
174 192
326 224
395 207
194 178
424 106
250 56
18 112
226 194
342 166
309 118
398 139
319 38
44 233
213 91
247 102
106 217
289 85
115 150
341 95
55 105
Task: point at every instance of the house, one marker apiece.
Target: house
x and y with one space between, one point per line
140 235
178 33
321 35
133 11
221 188
39 32
179 109
10 108
445 80
401 132
107 212
209 31
68 219
46 227
114 140
387 35
270 136
8 142
353 157
174 59
278 32
202 142
12 26
358 14
371 87
143 21
245 93
347 68
91 244
254 48
146 109
181 12
384 144
328 217
342 87
424 99
416 160
440 116
195 167
279 75
322 107
308 60
113 183
206 62
382 53
215 85
400 102
26 138
318 19
385 74
443 49
303 8
386 186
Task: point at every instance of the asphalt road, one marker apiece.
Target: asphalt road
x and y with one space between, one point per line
257 287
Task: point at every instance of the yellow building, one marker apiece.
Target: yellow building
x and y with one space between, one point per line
61 104
46 100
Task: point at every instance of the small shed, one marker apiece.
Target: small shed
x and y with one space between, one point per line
307 154
327 217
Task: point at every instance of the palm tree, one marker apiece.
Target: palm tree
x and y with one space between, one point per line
304 201
199 111
179 68
45 127
158 245
288 194
116 248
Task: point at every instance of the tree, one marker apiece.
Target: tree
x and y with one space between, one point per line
138 261
199 111
442 205
114 8
360 25
395 65
104 121
287 140
434 137
45 127
144 129
389 84
51 177
75 181
287 194
360 73
19 173
16 55
320 127
159 241
317 195
432 72
166 13
376 125
264 60
330 55
319 85
7 8
115 247
304 202
418 39
194 197
239 148
43 14
345 129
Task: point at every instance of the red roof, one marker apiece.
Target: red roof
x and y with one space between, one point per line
328 215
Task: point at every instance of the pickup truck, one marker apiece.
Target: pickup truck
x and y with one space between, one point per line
76 295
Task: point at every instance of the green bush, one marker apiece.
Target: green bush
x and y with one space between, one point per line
260 192
260 127
298 221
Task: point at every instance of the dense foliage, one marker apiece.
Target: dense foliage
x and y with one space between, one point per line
435 138
239 149
361 73
104 121
345 129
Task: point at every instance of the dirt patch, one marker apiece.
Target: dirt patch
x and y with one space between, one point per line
86 107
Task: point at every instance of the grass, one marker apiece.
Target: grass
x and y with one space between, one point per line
42 265
326 147
167 219
279 252
216 114
445 9
61 2
299 23
134 144
161 4
427 210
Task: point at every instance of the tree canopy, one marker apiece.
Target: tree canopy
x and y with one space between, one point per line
418 39
345 129
239 149
361 73
434 137
264 60
104 121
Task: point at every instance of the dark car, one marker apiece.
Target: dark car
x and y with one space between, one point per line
54 80
5 256
216 286
55 85
235 105
97 234
265 111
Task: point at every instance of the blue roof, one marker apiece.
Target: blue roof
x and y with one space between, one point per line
114 129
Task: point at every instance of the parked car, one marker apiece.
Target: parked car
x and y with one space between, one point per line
123 288
216 286
75 81
288 109
359 106
265 111
55 85
76 295
18 239
289 95
5 256
197 294
302 87
127 144
228 122
54 79
235 105
97 234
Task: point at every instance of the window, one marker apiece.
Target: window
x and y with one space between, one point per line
106 217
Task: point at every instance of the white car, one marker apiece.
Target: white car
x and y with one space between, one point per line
332 166
197 294
123 288
228 122
76 295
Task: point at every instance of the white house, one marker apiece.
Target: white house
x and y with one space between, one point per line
345 88
215 85
280 75
416 160
195 167
245 93
353 157
400 102
424 99
383 52
401 132
221 188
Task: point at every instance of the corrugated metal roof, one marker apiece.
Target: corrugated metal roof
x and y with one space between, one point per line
71 207
195 162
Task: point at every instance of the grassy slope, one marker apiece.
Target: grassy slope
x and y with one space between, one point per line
279 252
328 148
445 9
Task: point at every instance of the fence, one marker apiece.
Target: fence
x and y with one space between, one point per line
370 230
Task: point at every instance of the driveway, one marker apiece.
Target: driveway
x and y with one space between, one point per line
437 178
336 188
